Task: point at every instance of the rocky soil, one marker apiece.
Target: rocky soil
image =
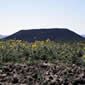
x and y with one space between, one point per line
43 73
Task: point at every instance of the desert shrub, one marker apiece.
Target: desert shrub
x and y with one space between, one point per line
22 51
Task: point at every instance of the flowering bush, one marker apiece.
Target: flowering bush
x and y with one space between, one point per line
22 51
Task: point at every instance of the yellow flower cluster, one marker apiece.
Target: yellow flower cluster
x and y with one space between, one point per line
34 45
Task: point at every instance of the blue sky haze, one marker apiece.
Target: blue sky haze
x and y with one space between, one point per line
30 14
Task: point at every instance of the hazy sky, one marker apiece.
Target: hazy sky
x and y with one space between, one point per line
27 14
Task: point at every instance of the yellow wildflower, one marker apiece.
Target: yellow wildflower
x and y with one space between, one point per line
34 45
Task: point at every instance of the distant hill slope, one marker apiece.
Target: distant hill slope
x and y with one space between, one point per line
83 36
2 36
55 34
